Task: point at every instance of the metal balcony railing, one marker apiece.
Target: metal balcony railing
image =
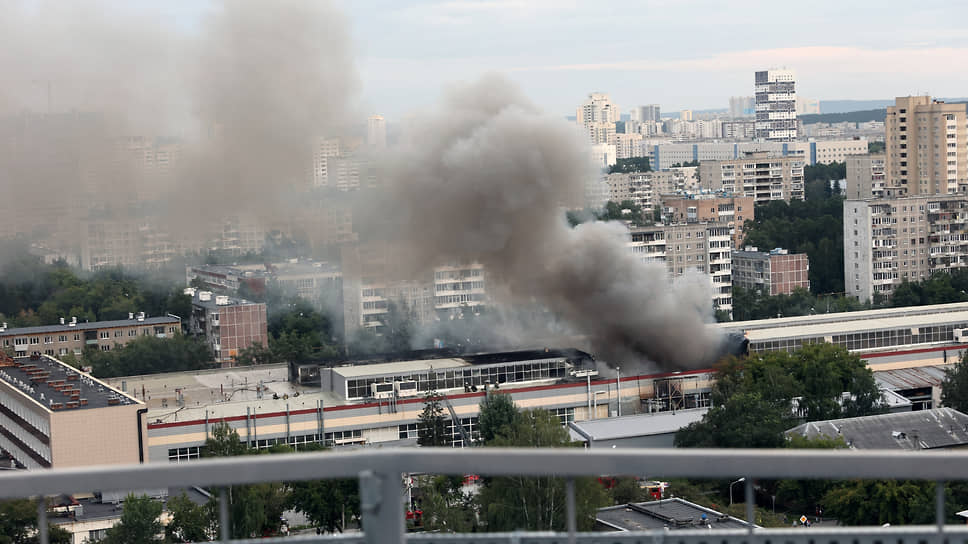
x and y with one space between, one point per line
381 490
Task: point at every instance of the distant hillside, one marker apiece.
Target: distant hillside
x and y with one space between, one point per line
855 116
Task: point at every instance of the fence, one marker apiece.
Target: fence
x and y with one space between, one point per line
379 472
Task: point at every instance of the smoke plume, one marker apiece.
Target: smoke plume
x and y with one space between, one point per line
485 177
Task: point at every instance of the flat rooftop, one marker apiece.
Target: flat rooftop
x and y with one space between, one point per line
636 425
861 324
669 514
87 326
842 317
52 383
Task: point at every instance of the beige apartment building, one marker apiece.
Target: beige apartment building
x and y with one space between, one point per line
889 240
774 272
756 175
646 188
927 146
703 247
734 211
55 416
866 177
72 337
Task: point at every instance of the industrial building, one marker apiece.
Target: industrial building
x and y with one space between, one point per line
938 428
71 337
54 416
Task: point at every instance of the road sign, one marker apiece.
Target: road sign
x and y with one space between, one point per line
803 519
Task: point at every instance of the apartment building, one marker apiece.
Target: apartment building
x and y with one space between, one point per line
889 240
734 211
776 105
71 337
774 272
645 188
597 116
55 416
228 324
664 155
703 247
927 146
866 177
628 145
757 175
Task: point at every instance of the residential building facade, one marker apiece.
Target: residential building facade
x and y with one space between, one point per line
597 116
776 272
756 175
776 105
734 211
890 240
926 146
701 247
866 177
228 324
71 337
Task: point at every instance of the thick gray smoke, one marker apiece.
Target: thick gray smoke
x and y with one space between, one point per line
238 101
485 177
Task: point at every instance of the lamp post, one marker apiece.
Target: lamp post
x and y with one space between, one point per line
731 489
618 390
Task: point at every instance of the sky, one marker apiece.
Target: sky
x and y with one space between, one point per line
680 54
676 53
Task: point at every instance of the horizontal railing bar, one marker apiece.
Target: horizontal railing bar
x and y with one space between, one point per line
693 463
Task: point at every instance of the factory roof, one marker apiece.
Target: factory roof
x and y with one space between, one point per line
635 425
920 430
95 325
860 324
674 513
379 369
899 379
57 386
937 310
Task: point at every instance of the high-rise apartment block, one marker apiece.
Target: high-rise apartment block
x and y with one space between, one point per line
777 272
890 240
776 106
597 116
376 132
757 175
731 210
702 247
866 177
645 114
927 146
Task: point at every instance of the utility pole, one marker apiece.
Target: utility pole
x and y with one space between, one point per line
618 389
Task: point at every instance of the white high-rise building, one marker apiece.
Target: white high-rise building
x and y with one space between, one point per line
776 106
376 132
597 115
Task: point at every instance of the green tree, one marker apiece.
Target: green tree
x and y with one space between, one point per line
150 355
140 522
634 164
753 398
536 503
627 490
806 495
18 524
875 147
431 424
867 502
446 508
256 354
327 504
497 415
190 522
224 442
954 387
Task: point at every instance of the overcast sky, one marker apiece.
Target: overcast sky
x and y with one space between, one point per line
677 53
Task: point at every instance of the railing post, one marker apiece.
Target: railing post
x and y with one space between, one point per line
750 515
225 531
939 505
43 530
381 504
570 510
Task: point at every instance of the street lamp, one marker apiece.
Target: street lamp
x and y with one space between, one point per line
731 489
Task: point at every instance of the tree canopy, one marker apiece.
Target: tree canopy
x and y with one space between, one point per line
632 164
150 355
754 400
18 524
954 387
140 522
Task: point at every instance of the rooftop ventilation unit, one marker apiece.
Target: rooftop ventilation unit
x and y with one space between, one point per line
221 300
381 390
406 389
141 316
961 335
204 296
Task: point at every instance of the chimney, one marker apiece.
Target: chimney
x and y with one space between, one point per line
4 327
130 315
62 321
73 322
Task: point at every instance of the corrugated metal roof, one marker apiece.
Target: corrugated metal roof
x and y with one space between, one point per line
89 326
857 325
400 367
638 425
672 513
920 430
840 317
909 378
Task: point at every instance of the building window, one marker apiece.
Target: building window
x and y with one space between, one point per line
105 335
176 455
62 338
